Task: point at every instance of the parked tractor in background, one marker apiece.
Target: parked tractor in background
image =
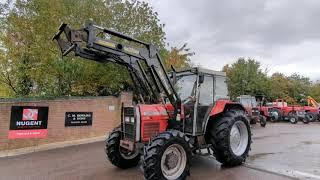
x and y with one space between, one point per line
174 116
267 110
292 113
252 109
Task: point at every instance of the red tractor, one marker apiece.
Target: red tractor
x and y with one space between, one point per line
267 110
252 109
292 113
175 115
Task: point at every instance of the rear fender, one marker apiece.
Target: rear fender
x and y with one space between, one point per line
219 108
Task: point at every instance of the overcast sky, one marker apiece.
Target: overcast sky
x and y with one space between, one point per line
284 35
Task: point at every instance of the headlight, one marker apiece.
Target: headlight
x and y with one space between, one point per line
132 119
127 119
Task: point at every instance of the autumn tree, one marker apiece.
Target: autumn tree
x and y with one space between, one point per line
178 57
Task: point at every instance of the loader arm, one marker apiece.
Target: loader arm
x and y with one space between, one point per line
312 102
143 62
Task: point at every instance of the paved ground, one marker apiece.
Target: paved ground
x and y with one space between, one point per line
288 149
279 148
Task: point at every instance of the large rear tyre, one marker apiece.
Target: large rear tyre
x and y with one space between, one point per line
231 138
167 156
117 155
311 116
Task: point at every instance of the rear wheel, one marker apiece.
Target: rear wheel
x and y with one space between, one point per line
117 155
231 138
311 116
167 156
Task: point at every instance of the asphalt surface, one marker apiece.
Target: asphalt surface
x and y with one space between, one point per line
278 151
290 149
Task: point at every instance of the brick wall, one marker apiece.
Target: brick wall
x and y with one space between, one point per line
104 119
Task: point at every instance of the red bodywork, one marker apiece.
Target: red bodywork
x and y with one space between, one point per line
220 106
311 109
154 117
264 110
154 120
282 105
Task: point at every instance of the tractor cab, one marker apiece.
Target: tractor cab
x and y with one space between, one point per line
198 89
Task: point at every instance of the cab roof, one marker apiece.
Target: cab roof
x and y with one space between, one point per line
203 70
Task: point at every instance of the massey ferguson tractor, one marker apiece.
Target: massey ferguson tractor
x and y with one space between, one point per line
174 115
252 110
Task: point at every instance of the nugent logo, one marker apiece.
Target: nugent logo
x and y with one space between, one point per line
29 118
30 114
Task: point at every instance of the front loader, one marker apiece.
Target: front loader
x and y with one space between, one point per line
175 114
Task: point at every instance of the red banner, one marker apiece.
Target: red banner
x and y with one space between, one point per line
35 133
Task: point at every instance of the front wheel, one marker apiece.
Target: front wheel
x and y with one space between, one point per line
117 155
167 156
293 119
305 120
275 115
231 138
263 121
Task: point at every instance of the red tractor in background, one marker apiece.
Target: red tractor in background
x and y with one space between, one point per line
252 109
175 114
279 111
292 113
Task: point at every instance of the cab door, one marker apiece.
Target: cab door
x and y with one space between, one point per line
205 102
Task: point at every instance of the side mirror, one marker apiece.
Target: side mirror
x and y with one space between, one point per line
201 78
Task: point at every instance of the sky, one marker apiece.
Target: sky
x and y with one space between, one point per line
284 35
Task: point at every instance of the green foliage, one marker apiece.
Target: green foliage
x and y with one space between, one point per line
31 63
246 78
314 91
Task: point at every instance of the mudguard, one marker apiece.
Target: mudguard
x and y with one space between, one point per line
219 107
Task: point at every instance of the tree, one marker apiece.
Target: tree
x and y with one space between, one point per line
279 86
314 91
36 68
178 57
299 87
246 78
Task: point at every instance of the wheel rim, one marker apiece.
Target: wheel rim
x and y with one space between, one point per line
293 120
239 138
275 115
173 161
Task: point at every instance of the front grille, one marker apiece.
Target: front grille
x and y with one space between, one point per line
128 127
255 112
151 129
129 131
